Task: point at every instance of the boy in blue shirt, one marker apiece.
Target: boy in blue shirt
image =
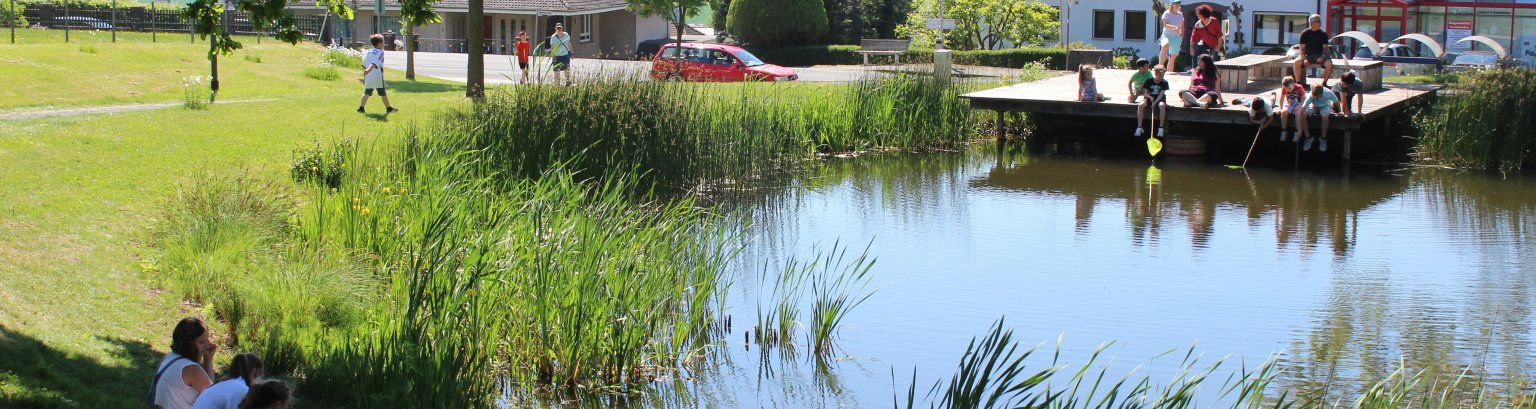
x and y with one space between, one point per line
1319 102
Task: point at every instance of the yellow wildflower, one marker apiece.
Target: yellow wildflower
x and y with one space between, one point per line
386 190
355 200
365 211
314 169
355 207
402 190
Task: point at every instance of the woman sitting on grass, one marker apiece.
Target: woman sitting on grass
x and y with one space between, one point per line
244 370
183 374
1204 85
1087 88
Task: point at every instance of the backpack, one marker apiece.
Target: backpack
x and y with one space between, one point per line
156 382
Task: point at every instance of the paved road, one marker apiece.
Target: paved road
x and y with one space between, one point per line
501 69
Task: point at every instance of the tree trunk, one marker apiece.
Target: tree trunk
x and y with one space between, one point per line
213 77
410 52
681 22
475 31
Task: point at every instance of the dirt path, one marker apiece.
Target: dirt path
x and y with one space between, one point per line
106 109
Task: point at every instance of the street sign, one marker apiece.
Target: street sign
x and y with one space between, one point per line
941 23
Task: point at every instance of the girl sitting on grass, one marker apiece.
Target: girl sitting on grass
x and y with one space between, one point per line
1087 88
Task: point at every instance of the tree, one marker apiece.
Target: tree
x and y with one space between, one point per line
474 86
986 24
778 23
718 9
415 13
206 16
674 11
848 21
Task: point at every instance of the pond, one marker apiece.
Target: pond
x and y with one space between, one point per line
1342 276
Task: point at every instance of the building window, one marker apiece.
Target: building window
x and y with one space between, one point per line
1274 30
1135 25
584 24
1103 25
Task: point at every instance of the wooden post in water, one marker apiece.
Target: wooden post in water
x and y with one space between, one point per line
1348 142
1002 133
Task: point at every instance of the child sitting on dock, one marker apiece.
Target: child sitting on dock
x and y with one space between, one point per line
1143 73
1154 95
1319 103
1204 85
1291 97
1348 89
1087 88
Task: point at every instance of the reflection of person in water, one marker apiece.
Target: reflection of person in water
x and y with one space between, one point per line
1201 218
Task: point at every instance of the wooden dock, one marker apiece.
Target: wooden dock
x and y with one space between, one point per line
1058 96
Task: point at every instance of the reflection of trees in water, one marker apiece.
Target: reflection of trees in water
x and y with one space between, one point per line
1375 317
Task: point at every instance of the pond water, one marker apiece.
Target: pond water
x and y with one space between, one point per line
1341 275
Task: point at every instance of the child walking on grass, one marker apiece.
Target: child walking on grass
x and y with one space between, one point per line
373 74
1087 88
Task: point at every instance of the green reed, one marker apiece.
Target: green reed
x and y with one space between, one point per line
833 281
687 135
1482 121
995 372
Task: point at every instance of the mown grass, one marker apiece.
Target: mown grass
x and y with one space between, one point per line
56 37
59 75
81 324
1475 123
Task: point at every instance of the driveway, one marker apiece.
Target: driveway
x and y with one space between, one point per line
502 69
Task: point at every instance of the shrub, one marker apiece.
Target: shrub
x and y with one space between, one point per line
777 23
194 94
12 17
342 58
316 165
253 58
323 73
88 49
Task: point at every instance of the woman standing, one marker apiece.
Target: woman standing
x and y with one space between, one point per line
1173 34
184 373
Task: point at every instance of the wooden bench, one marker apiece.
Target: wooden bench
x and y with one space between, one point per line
1368 71
1238 73
893 48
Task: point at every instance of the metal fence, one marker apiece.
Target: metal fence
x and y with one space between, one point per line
50 22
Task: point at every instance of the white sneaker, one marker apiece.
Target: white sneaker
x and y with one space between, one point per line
1159 132
1139 132
1282 135
1307 145
1322 145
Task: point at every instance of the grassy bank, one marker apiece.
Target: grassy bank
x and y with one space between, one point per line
73 75
1479 122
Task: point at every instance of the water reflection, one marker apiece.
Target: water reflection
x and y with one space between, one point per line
1307 212
1345 274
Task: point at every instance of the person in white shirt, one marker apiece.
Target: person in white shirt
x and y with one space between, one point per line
373 74
244 370
183 374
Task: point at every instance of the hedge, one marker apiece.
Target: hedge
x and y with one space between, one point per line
1054 58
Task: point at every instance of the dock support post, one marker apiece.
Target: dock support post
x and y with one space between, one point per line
1001 127
1349 142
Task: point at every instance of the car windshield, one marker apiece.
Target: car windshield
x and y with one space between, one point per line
748 59
1476 59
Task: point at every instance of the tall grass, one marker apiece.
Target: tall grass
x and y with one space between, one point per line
834 281
1483 121
995 372
684 138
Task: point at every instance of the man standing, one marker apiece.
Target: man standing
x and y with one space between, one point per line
560 43
1314 51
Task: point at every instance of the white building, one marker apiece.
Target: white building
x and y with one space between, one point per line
600 28
1111 24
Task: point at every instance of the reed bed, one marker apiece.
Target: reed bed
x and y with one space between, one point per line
836 285
687 136
1482 122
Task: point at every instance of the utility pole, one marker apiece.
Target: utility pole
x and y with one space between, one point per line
940 45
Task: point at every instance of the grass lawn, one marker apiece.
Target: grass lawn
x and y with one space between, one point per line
70 75
80 324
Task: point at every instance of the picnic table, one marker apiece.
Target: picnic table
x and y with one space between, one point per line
1238 73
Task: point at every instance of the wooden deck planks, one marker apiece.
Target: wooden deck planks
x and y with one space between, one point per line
1058 95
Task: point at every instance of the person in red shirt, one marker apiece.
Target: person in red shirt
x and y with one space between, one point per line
523 47
1206 36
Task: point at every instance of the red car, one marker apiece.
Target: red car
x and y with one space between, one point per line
715 63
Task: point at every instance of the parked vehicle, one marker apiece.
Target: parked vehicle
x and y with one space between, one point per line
79 23
647 49
715 63
1393 50
1474 61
